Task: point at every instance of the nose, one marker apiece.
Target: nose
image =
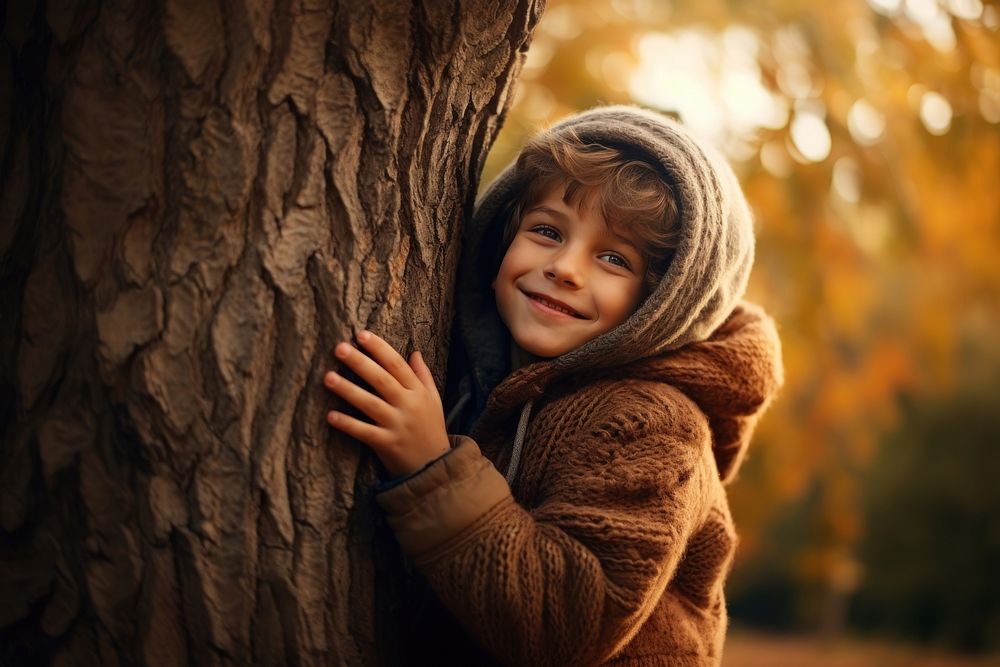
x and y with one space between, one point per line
566 266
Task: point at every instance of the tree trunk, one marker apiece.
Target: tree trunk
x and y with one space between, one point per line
199 199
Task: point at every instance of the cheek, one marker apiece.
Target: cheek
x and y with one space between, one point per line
502 286
500 280
621 303
509 267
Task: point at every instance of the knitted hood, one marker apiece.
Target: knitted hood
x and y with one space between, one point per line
705 280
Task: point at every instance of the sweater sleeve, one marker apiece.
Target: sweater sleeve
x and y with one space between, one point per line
573 579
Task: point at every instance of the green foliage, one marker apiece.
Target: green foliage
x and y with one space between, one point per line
933 545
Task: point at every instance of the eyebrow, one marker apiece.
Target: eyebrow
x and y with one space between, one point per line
562 216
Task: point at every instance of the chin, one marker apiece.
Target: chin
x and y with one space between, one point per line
541 349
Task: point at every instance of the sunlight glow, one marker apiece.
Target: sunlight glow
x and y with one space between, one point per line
922 11
865 123
991 21
934 22
794 80
886 7
846 180
987 81
539 55
939 33
935 112
674 74
562 22
970 10
810 136
712 81
637 9
989 106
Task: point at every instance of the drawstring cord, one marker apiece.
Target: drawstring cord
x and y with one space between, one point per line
456 409
515 455
522 427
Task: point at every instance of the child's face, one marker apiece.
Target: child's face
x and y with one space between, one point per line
570 255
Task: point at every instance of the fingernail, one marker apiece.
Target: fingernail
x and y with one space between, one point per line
331 378
363 335
342 349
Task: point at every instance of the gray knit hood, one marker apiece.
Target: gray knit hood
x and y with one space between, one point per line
706 278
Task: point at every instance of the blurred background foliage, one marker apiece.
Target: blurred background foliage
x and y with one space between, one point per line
866 137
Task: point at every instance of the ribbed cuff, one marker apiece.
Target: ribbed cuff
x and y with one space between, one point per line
437 505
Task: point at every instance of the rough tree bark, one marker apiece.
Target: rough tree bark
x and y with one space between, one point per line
199 198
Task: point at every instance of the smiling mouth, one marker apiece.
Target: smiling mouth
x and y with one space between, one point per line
548 304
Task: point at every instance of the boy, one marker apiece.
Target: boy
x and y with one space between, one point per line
599 291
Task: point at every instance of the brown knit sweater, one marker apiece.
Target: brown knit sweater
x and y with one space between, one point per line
613 544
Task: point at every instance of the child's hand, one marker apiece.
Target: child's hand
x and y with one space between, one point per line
409 429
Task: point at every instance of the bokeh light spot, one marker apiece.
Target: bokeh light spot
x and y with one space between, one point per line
794 80
539 56
970 10
990 19
886 7
810 136
865 123
562 23
922 11
989 106
846 180
935 113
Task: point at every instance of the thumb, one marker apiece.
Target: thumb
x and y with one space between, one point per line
421 370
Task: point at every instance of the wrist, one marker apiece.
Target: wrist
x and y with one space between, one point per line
397 479
410 462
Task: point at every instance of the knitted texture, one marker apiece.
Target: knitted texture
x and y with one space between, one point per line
616 541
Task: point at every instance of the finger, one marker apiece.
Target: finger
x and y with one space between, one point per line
422 372
388 358
373 436
369 370
367 402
